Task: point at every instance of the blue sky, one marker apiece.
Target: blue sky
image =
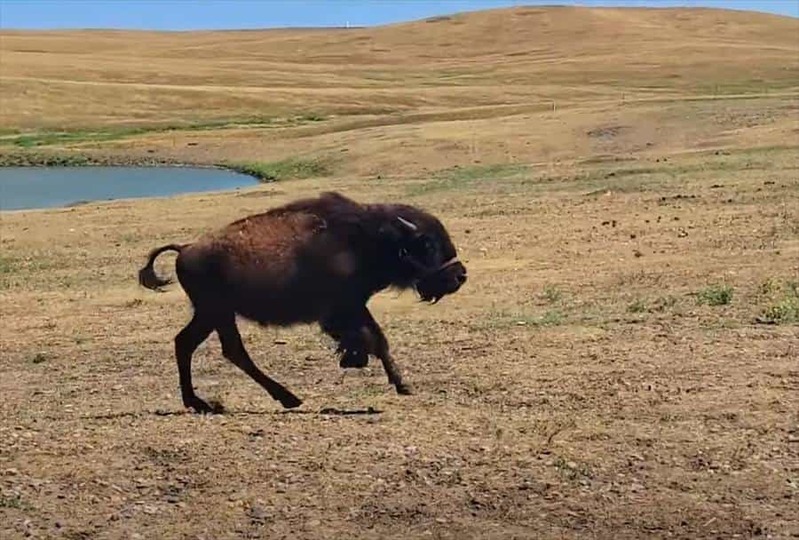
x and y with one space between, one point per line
213 14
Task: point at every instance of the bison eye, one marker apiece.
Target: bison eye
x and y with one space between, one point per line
423 246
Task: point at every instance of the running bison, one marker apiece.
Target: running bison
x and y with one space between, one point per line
312 260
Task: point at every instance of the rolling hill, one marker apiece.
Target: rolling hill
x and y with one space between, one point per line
492 58
533 85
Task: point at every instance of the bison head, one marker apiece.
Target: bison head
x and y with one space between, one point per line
427 258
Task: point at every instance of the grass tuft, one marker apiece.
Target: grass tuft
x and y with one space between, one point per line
785 311
639 306
784 302
552 294
715 295
13 501
6 265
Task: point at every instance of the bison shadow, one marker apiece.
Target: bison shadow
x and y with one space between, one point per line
221 410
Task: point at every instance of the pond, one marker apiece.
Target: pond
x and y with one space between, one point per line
23 188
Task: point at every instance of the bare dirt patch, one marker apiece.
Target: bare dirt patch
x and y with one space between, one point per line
581 384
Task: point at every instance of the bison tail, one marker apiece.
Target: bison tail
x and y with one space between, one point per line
147 275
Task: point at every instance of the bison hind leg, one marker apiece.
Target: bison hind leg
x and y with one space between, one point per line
186 342
233 349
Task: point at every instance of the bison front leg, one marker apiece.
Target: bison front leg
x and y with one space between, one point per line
346 329
377 344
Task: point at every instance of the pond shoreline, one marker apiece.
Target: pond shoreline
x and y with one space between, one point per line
38 187
76 159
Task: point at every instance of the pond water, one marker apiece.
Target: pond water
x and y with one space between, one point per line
48 187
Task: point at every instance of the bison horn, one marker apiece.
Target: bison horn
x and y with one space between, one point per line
408 224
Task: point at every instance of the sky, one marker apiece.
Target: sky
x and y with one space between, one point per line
236 14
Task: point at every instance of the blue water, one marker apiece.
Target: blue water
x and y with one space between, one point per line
49 187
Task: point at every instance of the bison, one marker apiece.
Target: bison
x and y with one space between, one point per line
314 260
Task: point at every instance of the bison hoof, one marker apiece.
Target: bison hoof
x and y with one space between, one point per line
404 390
291 402
201 407
354 359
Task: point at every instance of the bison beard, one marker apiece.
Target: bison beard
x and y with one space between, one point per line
313 260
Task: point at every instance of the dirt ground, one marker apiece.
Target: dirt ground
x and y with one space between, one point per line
602 374
622 363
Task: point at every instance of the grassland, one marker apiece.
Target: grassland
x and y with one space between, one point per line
621 364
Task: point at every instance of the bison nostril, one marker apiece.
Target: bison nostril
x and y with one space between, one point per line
462 279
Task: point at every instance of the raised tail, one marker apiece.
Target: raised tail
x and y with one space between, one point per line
147 275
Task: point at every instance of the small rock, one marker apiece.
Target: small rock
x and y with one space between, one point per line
150 510
257 513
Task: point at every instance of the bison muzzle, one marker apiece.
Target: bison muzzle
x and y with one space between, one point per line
316 260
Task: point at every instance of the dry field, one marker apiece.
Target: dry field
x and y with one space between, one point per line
622 363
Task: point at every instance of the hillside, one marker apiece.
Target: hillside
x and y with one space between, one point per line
499 57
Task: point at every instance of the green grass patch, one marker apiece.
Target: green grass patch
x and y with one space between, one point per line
783 302
465 177
6 265
503 319
638 306
51 137
13 501
311 117
287 169
552 317
66 158
785 311
67 137
769 286
45 159
715 295
552 294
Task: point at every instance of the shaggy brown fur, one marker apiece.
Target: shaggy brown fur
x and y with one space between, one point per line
312 260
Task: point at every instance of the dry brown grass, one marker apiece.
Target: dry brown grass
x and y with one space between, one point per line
575 387
521 56
582 384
